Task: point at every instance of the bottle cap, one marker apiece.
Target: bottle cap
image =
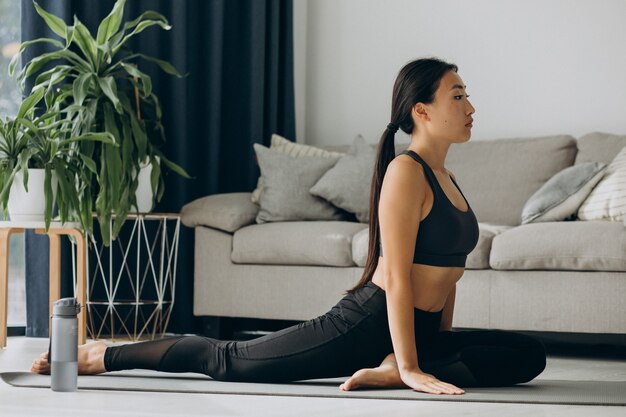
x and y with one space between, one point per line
66 307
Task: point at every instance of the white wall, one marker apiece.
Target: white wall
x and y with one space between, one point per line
532 67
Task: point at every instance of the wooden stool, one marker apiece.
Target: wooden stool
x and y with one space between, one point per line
56 229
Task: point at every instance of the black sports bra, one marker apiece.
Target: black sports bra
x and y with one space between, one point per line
447 235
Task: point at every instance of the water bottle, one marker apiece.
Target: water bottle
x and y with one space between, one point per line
63 351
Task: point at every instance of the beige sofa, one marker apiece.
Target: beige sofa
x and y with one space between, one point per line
567 276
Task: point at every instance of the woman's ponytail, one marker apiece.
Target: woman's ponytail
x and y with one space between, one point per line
384 156
416 82
392 127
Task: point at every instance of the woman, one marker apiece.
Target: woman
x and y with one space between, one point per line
393 329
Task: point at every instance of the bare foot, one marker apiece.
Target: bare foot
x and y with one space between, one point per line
90 360
384 376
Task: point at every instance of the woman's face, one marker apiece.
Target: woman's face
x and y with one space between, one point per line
450 112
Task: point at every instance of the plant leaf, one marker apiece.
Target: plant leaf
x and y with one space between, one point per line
112 158
86 207
127 147
6 189
36 63
141 138
86 43
105 230
88 116
29 103
89 163
120 218
155 174
145 78
161 189
26 44
147 15
67 198
104 137
165 66
140 28
157 106
51 96
102 208
30 125
63 205
80 87
47 191
171 165
69 36
57 25
109 88
46 75
111 23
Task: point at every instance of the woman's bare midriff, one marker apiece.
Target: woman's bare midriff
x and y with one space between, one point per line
431 284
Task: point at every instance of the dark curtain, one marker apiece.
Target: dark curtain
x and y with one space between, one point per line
238 59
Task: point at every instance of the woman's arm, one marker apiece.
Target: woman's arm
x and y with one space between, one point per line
448 311
399 212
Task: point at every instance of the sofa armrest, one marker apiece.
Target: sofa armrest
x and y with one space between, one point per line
227 211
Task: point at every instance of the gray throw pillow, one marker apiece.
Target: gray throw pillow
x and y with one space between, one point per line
286 186
561 196
347 184
294 150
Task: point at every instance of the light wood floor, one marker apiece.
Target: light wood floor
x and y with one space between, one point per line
20 352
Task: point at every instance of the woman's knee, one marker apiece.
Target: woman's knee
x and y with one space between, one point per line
535 354
519 357
530 354
198 354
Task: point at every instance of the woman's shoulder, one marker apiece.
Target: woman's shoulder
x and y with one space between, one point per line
402 194
405 168
405 178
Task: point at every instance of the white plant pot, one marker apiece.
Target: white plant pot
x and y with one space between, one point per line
144 193
30 206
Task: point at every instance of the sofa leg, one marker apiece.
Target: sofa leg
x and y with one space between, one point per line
217 327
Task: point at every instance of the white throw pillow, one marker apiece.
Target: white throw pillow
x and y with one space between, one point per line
295 150
607 201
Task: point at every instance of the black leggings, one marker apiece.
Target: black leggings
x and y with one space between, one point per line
353 335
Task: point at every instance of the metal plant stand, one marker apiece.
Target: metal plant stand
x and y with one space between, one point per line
131 285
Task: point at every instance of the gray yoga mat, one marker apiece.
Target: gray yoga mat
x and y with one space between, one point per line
538 391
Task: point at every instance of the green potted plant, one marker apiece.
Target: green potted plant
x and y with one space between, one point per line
41 160
99 83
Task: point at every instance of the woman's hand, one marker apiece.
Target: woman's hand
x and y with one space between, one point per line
427 383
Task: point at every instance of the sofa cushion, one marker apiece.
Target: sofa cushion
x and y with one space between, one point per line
227 212
324 243
360 246
560 197
296 150
477 259
346 184
498 176
561 246
599 147
285 195
607 201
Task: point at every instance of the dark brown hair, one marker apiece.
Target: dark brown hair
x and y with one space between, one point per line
417 82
